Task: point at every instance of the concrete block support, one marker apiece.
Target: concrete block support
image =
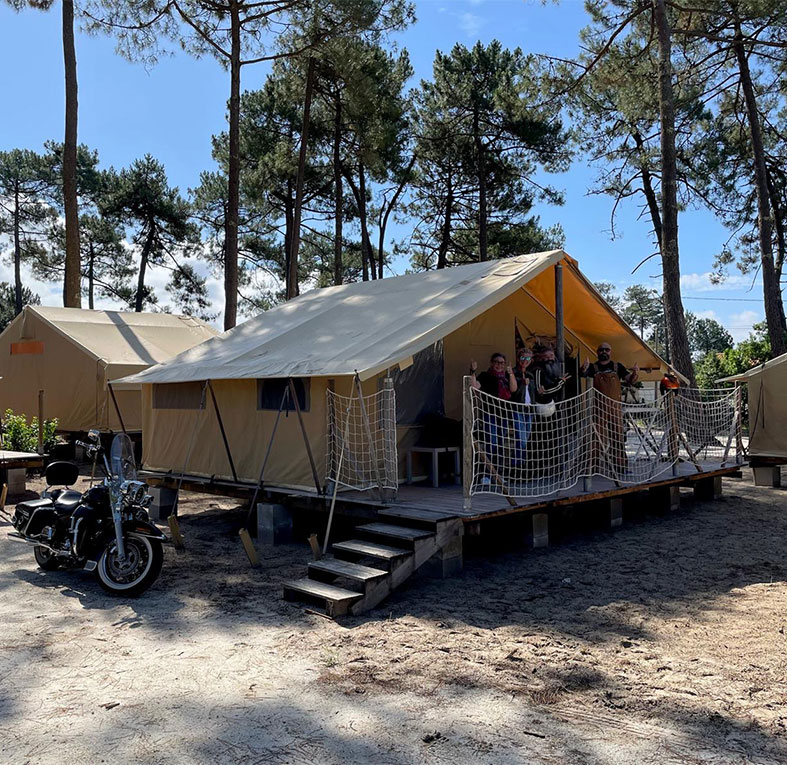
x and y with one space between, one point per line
768 476
446 562
540 530
615 512
665 498
16 480
707 489
163 504
274 524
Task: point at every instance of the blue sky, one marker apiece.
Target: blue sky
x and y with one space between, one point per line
172 110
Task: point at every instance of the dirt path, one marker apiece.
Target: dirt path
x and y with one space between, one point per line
662 642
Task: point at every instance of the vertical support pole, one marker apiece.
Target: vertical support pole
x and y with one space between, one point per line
540 530
294 397
173 516
223 432
117 408
738 423
389 424
467 443
559 328
672 438
40 422
368 429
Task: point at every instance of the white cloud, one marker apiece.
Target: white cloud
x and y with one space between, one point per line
739 325
710 314
470 24
703 283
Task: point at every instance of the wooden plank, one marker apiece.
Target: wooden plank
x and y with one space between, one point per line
370 549
397 532
344 568
416 513
315 589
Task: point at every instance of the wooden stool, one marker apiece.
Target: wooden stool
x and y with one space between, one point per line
435 452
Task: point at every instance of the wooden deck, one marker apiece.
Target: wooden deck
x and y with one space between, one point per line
445 502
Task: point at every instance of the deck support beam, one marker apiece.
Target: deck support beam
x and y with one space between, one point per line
163 504
706 489
768 475
615 512
448 561
540 530
274 524
665 498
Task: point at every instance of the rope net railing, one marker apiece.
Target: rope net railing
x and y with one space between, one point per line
361 451
523 450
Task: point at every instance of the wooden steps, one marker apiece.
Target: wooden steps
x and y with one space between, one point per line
390 552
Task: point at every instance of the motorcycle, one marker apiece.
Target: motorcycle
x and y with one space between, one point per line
106 530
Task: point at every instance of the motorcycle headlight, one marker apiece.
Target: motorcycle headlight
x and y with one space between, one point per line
134 492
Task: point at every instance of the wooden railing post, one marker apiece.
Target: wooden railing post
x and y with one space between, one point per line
467 443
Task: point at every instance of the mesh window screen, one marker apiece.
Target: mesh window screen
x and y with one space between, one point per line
186 395
270 392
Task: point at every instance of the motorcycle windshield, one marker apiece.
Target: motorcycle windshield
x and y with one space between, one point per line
121 459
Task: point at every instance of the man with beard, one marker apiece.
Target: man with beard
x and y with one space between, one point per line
549 377
607 376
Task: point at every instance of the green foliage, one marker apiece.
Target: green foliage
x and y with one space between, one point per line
484 131
706 336
19 436
749 353
8 302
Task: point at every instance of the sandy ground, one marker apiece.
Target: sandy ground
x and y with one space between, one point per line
661 642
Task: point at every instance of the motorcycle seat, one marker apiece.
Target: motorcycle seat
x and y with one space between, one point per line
66 501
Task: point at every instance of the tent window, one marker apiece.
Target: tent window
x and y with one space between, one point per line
270 392
177 395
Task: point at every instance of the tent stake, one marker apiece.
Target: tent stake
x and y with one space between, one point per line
294 397
223 432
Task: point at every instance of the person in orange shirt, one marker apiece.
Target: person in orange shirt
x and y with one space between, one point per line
668 383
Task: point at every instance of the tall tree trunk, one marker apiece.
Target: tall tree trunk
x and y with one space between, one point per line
292 262
91 276
482 212
778 222
647 187
233 177
289 217
385 213
17 254
673 305
143 266
774 309
366 247
72 297
338 240
445 234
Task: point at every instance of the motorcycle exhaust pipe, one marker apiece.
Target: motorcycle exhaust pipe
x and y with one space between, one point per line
16 537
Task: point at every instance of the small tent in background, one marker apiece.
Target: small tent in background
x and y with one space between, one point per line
72 354
767 407
420 328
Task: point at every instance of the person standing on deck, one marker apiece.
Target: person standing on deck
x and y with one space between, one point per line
500 382
607 376
549 377
525 394
669 383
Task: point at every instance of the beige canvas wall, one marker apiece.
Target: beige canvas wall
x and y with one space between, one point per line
69 378
768 411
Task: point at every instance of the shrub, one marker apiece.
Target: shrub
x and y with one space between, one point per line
18 436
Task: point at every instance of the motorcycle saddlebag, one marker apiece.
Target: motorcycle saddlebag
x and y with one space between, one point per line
31 517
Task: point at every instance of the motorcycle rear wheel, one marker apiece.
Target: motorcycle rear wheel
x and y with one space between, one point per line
144 558
46 560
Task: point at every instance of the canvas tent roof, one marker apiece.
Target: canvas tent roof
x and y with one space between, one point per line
759 369
367 327
123 339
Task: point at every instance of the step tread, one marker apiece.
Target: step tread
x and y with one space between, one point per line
321 590
399 532
345 568
371 549
417 514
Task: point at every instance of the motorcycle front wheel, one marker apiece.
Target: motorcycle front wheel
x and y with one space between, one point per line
46 560
137 572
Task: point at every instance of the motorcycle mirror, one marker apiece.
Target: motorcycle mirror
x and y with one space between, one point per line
94 435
